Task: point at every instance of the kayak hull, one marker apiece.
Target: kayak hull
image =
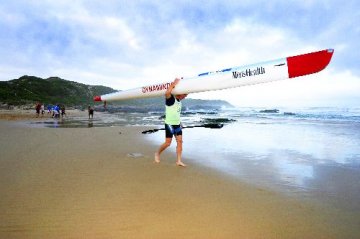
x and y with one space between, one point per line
280 69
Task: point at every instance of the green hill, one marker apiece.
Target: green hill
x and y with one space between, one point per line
53 90
30 89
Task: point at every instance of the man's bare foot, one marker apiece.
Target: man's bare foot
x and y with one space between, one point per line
157 158
181 164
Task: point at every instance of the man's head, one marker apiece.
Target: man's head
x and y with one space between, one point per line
181 97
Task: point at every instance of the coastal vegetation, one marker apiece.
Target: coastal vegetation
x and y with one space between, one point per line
53 90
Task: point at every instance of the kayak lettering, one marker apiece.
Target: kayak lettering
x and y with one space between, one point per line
157 87
249 72
214 72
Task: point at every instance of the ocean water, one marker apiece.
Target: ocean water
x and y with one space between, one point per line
313 152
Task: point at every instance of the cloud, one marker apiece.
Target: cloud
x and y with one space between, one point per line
125 44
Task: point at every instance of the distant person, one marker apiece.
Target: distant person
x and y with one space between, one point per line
42 109
63 111
53 111
91 112
49 108
56 112
172 123
37 109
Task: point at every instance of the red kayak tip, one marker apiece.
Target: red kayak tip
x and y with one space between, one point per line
308 63
97 98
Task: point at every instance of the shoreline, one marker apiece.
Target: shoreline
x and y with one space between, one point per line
81 182
25 115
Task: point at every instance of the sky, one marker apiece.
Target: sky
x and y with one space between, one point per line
128 44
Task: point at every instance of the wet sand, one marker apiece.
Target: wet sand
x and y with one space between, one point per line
82 183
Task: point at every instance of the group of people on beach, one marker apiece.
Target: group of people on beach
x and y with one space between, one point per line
57 110
54 110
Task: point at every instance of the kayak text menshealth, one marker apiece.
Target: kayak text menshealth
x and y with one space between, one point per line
248 72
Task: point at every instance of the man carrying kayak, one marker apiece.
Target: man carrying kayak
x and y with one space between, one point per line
172 123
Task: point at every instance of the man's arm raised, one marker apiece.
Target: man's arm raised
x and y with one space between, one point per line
171 87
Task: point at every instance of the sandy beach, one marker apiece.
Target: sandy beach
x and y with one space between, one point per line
102 183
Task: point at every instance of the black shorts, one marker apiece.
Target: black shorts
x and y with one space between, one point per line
171 130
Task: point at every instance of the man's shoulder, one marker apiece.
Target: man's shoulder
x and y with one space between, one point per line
170 101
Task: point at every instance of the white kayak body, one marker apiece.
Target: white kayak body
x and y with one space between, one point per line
280 69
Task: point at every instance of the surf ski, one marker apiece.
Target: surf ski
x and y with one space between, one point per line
280 69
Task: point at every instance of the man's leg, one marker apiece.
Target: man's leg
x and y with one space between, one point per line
162 148
179 151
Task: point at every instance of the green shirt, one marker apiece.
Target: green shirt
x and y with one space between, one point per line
172 113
